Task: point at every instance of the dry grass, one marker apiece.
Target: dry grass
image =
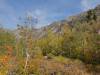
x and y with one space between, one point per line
55 66
58 66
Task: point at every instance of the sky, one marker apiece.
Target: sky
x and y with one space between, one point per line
46 11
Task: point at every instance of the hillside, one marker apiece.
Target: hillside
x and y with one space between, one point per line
66 47
57 27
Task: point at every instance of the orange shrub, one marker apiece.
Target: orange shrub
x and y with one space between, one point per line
9 48
5 59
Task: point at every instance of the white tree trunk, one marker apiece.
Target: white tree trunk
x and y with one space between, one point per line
27 59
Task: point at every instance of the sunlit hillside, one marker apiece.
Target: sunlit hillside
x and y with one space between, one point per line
65 47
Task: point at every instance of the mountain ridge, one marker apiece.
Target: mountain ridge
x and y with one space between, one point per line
92 14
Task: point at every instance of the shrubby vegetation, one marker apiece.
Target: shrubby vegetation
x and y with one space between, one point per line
52 54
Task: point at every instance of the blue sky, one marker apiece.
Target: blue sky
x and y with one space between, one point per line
47 11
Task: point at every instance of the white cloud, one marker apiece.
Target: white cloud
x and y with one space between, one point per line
88 4
45 17
41 15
